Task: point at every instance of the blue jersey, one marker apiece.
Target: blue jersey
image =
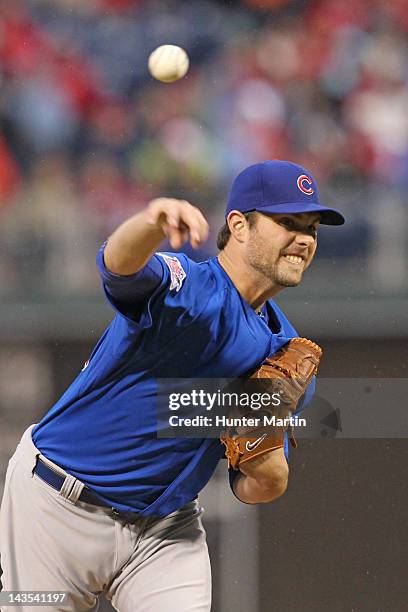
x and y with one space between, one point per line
192 324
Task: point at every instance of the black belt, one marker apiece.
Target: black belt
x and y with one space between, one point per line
55 480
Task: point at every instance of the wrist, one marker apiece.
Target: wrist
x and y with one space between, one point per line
153 227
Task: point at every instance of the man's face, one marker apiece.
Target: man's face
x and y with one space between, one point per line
282 246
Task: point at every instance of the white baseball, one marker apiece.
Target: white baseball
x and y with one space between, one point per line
168 63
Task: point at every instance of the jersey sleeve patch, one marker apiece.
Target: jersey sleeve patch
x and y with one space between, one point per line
177 273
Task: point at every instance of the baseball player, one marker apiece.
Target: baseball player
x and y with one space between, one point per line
94 502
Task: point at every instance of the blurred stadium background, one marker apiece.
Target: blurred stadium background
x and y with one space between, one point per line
87 138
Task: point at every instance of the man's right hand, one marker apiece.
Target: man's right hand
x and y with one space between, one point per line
179 220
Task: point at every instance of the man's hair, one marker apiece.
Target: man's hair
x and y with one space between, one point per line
224 233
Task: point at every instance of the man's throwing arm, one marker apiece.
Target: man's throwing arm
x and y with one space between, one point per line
133 243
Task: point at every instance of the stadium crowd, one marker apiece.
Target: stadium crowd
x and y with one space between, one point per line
87 137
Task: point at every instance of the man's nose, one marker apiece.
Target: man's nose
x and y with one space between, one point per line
304 239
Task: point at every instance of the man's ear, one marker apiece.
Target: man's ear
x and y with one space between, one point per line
238 225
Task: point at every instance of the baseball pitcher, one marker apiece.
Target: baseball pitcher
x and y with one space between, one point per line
94 502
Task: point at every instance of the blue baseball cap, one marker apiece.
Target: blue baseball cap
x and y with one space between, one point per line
275 186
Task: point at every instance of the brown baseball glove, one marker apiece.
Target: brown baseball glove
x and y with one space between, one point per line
287 373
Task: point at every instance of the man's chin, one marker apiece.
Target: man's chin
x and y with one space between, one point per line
289 281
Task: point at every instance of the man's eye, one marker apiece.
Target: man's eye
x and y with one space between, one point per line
287 222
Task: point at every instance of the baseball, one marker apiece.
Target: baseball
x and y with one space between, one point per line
168 63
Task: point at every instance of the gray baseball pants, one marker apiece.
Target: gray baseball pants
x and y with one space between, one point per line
52 542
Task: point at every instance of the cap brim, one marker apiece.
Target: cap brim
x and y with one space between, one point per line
329 216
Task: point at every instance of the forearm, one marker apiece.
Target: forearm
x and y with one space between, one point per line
132 244
251 491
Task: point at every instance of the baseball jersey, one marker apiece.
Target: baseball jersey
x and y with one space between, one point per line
191 322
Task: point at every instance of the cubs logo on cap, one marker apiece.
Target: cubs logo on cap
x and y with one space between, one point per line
305 184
